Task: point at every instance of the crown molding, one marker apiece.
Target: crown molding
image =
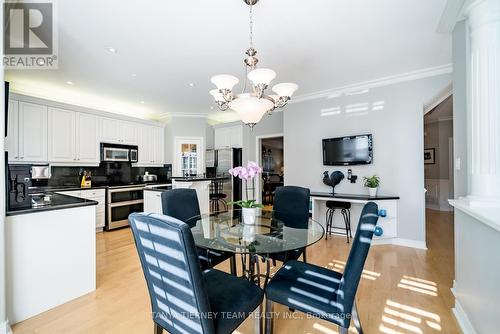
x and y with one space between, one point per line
384 81
453 13
181 114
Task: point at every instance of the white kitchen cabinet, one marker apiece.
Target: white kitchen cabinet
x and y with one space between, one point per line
128 132
110 130
87 142
151 146
152 201
159 145
118 131
228 137
62 135
12 140
72 137
98 195
32 137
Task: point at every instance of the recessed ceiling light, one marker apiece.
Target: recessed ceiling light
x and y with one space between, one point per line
212 108
191 84
111 49
142 102
134 75
70 82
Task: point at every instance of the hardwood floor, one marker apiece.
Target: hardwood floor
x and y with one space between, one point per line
403 290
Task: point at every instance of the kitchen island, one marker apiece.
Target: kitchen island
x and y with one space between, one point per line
50 254
152 197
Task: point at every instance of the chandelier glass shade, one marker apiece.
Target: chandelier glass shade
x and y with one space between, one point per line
251 106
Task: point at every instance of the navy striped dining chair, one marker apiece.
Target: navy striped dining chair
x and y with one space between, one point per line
183 298
183 205
321 292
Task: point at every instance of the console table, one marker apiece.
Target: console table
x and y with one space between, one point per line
389 224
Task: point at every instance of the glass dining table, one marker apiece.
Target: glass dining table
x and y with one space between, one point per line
272 232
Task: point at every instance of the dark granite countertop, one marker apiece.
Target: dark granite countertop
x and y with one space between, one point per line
199 178
58 202
159 189
363 197
62 188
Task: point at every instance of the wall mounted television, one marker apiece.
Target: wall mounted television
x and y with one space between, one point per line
348 151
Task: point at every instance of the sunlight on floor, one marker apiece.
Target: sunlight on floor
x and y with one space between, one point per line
339 266
402 319
416 286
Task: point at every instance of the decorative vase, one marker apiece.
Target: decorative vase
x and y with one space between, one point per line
248 233
249 215
373 192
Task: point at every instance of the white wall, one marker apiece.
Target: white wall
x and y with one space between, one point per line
182 127
397 137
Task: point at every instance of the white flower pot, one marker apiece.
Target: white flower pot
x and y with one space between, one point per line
249 215
373 192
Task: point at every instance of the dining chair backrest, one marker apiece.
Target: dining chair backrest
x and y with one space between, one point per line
291 206
357 256
170 264
181 204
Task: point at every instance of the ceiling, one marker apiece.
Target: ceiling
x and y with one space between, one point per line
165 45
442 112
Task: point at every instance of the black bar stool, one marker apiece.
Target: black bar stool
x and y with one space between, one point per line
345 209
217 196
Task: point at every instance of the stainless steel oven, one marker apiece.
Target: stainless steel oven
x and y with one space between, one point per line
121 202
119 153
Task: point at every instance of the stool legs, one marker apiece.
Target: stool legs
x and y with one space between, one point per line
346 214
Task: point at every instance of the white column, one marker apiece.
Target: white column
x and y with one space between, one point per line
484 102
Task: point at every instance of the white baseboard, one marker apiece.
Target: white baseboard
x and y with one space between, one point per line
401 242
410 243
5 328
462 319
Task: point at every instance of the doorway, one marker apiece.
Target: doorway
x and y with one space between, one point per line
438 156
439 176
271 158
189 159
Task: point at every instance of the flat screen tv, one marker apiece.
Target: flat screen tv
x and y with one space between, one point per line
347 151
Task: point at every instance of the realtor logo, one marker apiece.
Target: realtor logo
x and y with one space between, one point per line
30 35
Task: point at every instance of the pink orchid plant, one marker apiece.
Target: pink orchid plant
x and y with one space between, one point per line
247 174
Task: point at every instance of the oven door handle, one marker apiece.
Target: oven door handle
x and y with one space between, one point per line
122 190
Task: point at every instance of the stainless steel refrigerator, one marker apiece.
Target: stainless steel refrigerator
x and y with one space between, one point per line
218 163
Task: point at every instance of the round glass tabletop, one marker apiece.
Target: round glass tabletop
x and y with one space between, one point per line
272 232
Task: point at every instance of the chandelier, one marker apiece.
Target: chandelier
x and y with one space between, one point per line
251 106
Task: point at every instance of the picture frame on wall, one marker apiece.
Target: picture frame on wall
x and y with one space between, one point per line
429 156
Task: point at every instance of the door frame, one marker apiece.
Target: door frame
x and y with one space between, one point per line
188 140
258 159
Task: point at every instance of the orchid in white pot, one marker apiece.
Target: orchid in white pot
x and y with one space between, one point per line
248 174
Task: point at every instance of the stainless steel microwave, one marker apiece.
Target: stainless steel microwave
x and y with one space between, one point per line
119 153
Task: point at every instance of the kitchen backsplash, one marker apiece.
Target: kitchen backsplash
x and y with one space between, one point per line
106 173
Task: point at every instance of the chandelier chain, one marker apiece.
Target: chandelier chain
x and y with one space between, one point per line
251 26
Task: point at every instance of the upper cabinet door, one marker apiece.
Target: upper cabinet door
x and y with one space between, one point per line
236 136
87 143
110 130
62 135
221 138
33 141
128 133
12 140
159 145
145 136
